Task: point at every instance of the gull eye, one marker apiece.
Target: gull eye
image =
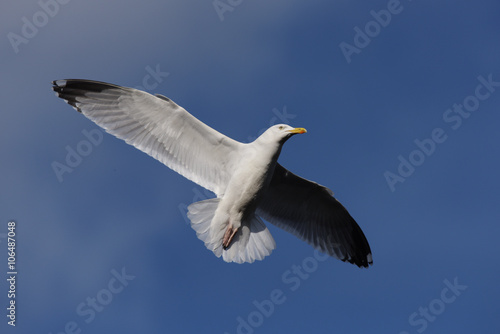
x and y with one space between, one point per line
281 127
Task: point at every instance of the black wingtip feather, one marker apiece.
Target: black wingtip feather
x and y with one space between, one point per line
70 89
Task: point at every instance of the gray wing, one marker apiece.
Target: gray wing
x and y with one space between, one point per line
310 212
158 127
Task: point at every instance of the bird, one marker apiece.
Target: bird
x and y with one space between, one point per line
248 182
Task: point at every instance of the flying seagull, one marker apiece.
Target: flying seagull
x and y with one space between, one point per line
246 178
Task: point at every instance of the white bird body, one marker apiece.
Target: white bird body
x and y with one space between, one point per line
247 179
251 178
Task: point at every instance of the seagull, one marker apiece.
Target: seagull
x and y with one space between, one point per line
246 178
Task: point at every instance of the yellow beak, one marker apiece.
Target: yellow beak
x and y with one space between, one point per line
298 130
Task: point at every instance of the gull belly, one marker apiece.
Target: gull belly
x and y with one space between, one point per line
246 188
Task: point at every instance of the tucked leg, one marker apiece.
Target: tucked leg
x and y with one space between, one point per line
228 236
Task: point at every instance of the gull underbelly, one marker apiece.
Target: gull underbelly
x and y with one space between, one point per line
243 194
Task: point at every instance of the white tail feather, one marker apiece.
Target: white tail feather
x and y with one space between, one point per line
253 241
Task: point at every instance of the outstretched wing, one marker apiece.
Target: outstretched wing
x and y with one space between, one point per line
158 127
309 211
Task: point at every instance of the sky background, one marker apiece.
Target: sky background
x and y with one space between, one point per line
120 211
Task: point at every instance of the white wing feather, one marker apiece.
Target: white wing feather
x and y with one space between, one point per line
157 126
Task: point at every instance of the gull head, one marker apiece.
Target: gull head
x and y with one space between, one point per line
280 133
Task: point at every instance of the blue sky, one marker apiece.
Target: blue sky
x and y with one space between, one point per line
106 248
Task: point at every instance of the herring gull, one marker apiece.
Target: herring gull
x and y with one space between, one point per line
246 178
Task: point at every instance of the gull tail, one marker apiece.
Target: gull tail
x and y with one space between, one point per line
252 241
